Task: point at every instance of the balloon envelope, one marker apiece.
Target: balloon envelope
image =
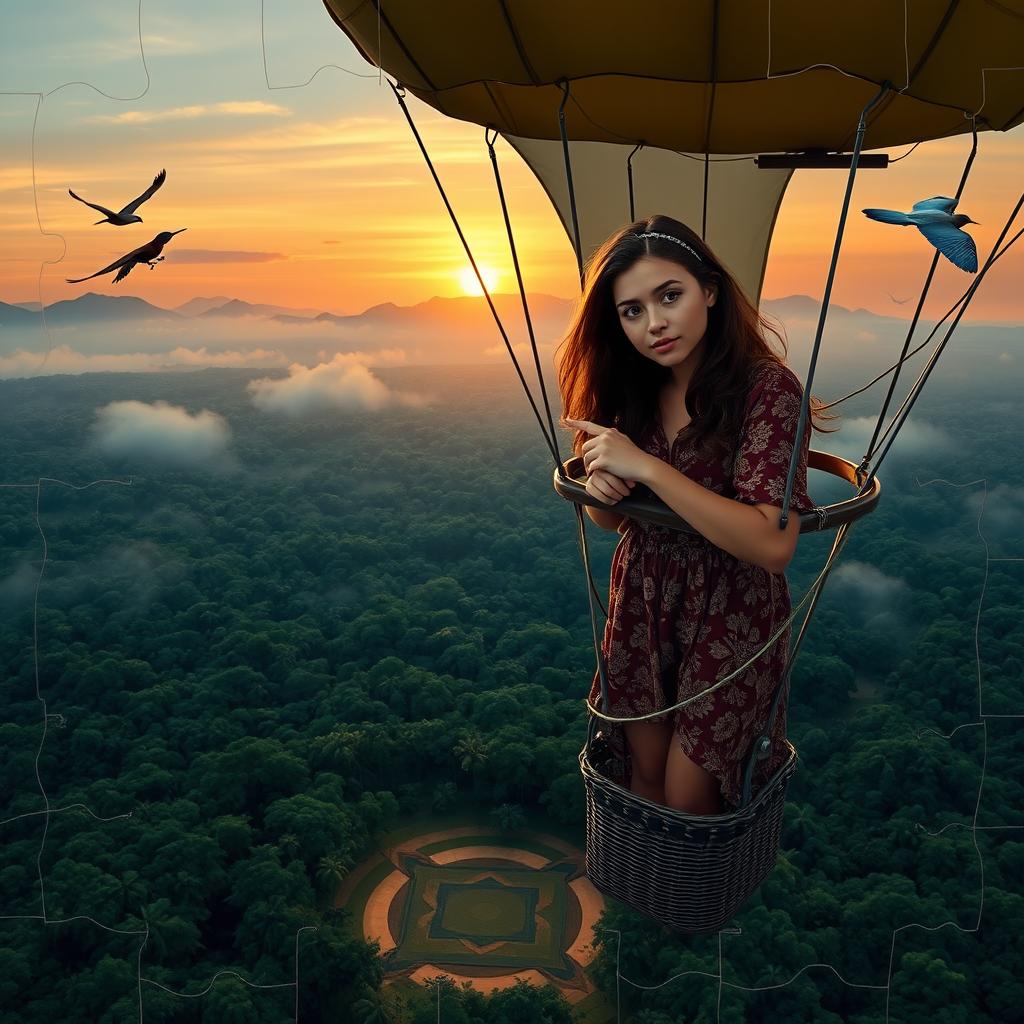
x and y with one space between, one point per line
743 201
704 76
695 77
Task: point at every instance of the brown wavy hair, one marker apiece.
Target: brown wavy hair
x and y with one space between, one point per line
602 377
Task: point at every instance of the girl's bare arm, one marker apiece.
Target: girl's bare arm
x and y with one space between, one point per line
748 532
606 520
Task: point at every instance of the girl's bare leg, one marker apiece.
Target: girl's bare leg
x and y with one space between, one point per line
648 747
687 786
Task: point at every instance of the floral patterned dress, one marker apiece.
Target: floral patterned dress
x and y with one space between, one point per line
683 613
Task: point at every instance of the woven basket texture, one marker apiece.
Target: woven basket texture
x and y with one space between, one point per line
688 872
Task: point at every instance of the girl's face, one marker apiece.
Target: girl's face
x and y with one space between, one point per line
663 310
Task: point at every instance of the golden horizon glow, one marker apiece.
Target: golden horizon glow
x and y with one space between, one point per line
319 200
469 283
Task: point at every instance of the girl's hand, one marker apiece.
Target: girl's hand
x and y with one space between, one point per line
607 487
610 450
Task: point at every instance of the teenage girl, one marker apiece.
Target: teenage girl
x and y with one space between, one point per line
670 384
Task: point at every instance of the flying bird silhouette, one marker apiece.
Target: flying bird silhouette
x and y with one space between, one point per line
899 302
148 253
127 214
935 219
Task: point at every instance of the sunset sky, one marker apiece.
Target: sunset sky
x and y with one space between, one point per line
316 197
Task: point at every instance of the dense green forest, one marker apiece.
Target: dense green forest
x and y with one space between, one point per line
254 664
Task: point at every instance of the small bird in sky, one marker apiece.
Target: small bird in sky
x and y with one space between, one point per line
126 215
899 302
148 253
935 219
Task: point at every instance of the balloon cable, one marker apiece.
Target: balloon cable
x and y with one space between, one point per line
552 441
920 305
908 403
629 181
840 230
577 245
592 591
522 290
931 334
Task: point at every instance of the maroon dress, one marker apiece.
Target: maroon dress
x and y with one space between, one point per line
683 613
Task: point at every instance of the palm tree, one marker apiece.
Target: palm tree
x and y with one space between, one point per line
331 872
371 1009
786 870
509 817
345 748
472 751
156 943
445 794
801 822
134 890
288 844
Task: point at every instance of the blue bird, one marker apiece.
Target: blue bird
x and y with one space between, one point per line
935 219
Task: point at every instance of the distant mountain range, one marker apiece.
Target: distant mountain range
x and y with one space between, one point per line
99 332
93 308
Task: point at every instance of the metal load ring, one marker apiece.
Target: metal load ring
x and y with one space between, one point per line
573 487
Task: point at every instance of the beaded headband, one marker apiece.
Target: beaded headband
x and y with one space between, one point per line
670 238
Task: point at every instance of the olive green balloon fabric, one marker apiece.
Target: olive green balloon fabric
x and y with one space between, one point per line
693 77
704 75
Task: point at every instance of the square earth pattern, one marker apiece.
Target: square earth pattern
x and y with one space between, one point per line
473 916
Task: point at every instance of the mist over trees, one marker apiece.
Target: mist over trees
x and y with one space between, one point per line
254 667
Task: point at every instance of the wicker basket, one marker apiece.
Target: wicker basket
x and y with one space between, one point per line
689 872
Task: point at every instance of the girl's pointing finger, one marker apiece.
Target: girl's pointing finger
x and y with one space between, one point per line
590 428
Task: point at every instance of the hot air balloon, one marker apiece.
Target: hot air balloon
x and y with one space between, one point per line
703 111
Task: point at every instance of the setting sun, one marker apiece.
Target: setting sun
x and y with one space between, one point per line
471 286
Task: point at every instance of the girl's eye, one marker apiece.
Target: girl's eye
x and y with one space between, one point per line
671 296
631 312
